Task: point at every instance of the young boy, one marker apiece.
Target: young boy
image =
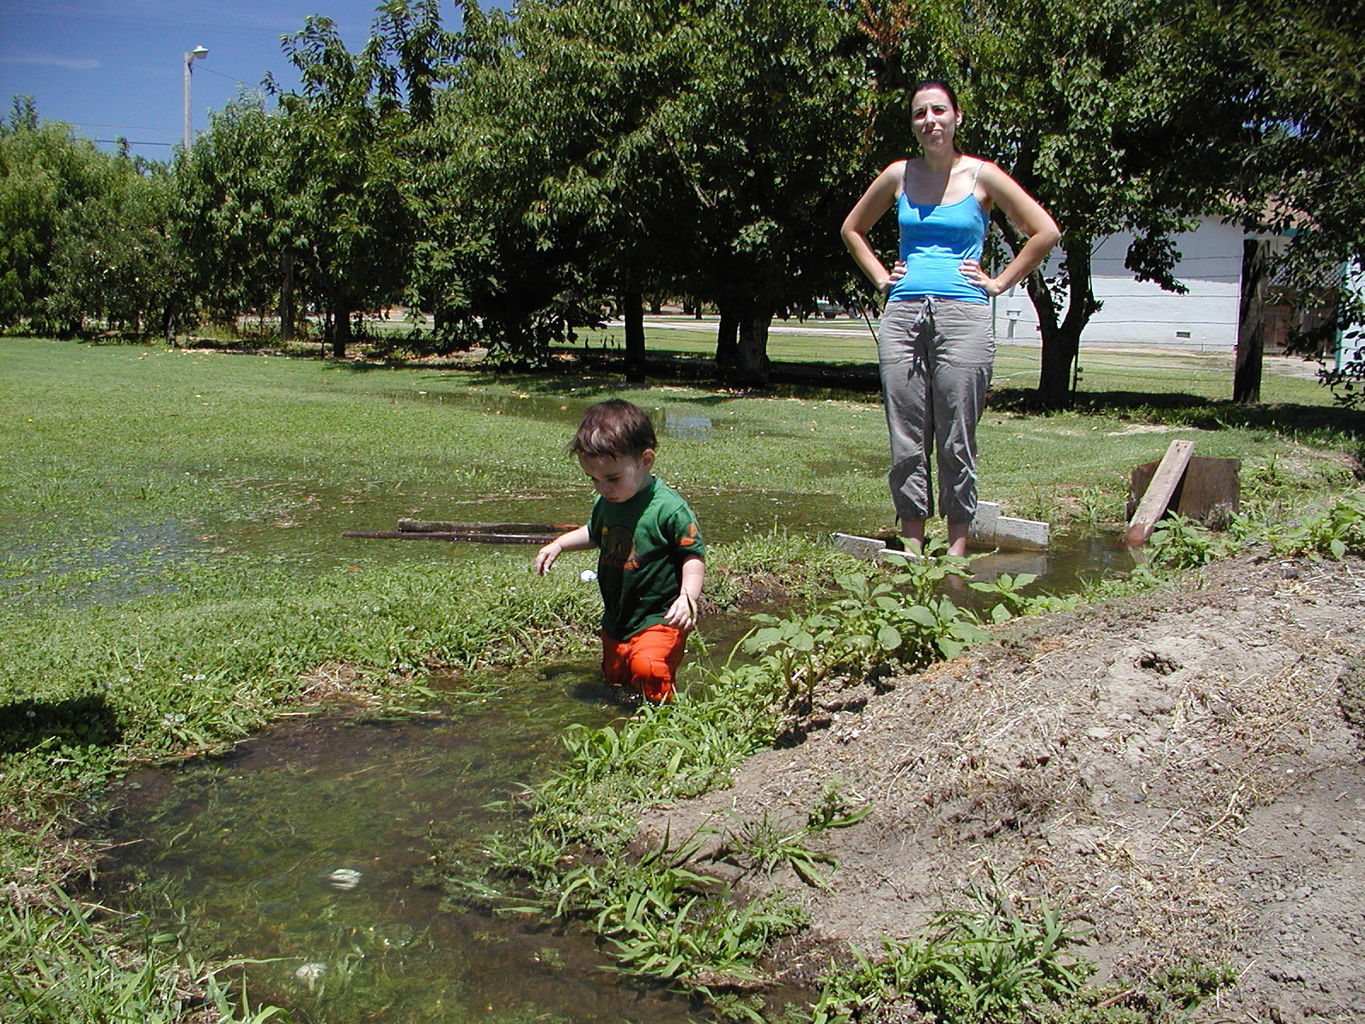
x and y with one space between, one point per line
650 564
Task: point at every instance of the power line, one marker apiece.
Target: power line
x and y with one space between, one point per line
211 71
131 142
133 127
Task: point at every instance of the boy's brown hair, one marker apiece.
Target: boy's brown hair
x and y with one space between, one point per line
614 428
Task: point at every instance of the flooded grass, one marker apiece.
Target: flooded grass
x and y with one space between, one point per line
309 850
183 582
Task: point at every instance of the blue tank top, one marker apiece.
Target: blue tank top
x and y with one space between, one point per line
934 242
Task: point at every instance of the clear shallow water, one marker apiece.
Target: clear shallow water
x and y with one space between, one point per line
310 849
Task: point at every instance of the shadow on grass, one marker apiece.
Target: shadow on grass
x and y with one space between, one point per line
597 374
80 721
1198 412
822 380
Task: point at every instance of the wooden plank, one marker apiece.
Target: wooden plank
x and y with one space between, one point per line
1158 497
442 526
1208 493
476 536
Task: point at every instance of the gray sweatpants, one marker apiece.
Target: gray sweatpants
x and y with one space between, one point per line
935 357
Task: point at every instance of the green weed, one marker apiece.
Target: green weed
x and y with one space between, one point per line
1010 599
1179 543
893 621
986 962
1334 533
63 965
766 843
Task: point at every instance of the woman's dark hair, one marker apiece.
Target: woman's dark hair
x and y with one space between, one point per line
614 427
936 83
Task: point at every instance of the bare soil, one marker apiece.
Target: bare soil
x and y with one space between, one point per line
1183 769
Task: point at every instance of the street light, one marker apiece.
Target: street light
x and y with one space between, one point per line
198 53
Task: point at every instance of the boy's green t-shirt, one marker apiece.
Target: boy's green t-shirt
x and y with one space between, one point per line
642 545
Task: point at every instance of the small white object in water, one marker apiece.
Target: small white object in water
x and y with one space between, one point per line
344 878
310 973
587 575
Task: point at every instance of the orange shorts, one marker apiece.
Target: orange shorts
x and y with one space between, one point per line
647 662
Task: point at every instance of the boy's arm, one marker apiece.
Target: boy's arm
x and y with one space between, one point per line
575 540
682 613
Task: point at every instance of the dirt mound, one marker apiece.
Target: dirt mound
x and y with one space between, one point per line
1184 769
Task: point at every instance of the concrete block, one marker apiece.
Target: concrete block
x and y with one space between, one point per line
981 532
991 530
866 548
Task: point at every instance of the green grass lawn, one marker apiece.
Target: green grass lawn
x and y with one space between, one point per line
171 546
185 509
171 549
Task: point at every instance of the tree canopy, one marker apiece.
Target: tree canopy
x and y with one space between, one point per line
520 175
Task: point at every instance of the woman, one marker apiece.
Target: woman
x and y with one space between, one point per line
935 347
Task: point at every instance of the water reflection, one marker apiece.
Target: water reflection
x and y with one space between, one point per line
686 425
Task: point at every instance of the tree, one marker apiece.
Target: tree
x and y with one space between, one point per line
349 228
1113 114
606 148
559 170
1305 174
115 258
776 157
83 234
313 195
235 227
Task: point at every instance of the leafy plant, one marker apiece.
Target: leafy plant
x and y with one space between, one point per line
1008 592
1180 543
1335 533
834 808
984 962
895 621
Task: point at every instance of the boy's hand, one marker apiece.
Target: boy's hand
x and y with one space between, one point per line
574 540
546 556
682 613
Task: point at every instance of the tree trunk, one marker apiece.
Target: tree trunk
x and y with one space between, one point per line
287 296
751 356
727 339
742 339
1062 341
1246 383
633 312
341 326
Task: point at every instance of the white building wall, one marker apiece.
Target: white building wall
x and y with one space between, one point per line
1140 313
1351 342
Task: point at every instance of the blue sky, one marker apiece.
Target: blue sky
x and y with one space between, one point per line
115 68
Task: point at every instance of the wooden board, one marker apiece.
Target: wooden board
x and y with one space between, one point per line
477 536
442 526
1208 493
1158 495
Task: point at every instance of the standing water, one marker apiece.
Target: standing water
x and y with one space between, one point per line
308 851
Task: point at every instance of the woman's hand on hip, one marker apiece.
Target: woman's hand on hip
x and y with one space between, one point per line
971 270
897 272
